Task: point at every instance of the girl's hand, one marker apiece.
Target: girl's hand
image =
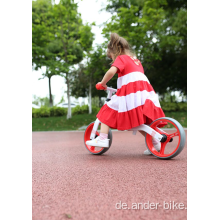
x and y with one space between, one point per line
104 85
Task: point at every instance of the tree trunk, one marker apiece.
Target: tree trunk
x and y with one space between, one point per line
50 94
90 97
69 115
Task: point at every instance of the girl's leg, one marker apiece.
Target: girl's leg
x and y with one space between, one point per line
104 128
155 142
102 140
104 132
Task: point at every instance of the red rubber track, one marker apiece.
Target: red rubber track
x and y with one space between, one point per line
69 182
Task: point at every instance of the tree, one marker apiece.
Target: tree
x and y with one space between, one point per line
42 38
41 101
157 31
60 39
86 76
72 40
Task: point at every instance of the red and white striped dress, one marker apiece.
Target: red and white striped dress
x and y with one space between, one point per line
135 101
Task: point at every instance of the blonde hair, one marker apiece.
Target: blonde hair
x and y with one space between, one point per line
118 46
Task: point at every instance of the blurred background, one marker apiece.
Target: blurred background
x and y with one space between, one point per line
69 41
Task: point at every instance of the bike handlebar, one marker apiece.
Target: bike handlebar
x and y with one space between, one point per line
100 87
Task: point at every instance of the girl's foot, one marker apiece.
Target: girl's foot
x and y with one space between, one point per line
97 142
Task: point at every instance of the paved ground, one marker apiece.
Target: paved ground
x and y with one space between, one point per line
70 183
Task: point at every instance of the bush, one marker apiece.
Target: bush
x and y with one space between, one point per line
173 106
44 112
35 113
84 109
57 111
40 112
169 106
77 110
95 109
47 112
182 106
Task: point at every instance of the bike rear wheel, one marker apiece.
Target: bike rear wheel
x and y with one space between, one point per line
174 135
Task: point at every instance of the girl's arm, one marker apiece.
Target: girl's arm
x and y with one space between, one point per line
109 74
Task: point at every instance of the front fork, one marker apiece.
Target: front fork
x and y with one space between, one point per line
97 122
94 129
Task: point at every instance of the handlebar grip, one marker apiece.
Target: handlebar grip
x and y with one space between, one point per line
100 87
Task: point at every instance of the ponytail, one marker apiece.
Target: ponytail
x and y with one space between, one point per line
117 46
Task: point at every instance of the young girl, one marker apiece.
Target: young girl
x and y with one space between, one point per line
135 101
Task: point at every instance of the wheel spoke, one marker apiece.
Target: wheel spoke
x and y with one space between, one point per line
92 148
158 130
162 148
174 134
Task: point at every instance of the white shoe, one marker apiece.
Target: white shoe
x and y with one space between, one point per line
147 152
98 143
157 146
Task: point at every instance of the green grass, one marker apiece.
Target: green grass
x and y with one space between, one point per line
181 117
77 121
61 123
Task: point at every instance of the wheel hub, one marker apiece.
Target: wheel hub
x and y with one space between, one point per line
164 138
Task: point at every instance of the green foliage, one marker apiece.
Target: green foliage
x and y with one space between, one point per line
77 121
95 109
40 112
80 110
35 113
61 123
76 110
157 31
42 101
41 33
45 111
72 36
60 38
97 101
36 100
174 106
57 111
61 100
182 106
84 109
93 72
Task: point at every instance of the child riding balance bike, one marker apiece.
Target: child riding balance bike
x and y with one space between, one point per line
134 107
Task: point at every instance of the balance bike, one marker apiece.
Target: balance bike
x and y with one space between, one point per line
172 135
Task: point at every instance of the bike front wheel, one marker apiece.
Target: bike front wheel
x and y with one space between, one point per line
92 149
